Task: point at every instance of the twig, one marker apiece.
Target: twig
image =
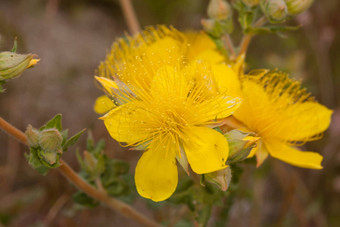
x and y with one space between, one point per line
130 16
230 45
74 178
247 38
53 212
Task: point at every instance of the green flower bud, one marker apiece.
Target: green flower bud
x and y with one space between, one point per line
50 140
219 10
32 136
221 178
298 6
90 161
251 2
275 10
240 145
13 64
50 157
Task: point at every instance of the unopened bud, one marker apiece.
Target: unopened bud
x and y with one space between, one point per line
298 6
50 157
50 140
90 161
240 145
275 10
13 64
221 178
219 10
251 2
32 136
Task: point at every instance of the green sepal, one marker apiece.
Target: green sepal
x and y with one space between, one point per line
55 122
37 161
34 161
71 141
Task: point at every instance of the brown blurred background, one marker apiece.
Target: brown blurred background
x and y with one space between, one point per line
72 37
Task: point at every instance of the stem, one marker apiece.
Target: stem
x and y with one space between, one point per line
230 45
247 38
80 183
130 16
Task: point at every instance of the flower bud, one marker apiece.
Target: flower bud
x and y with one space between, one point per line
298 6
221 178
13 64
90 161
219 10
251 2
240 145
275 10
50 140
50 157
32 136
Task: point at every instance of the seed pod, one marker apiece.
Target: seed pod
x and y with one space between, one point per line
298 6
275 10
12 64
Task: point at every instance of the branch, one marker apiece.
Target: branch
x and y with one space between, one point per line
247 38
80 183
130 16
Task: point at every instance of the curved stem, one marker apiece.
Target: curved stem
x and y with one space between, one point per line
247 38
80 183
130 16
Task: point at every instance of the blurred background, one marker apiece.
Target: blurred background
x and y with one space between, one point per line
72 37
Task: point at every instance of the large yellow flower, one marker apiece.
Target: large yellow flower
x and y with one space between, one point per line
167 100
284 115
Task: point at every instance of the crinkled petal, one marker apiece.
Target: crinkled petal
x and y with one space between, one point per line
156 174
103 105
207 150
291 155
124 124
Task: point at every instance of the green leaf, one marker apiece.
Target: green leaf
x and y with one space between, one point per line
55 122
2 82
204 215
85 200
71 141
15 45
34 161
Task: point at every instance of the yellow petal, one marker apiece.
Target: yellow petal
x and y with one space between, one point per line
261 154
124 124
207 150
156 174
291 155
302 121
103 104
227 79
33 62
218 107
200 42
107 83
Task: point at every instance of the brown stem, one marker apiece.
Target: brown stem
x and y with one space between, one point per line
230 45
247 38
79 182
130 16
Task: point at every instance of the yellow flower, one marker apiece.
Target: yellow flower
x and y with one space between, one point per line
167 103
284 115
